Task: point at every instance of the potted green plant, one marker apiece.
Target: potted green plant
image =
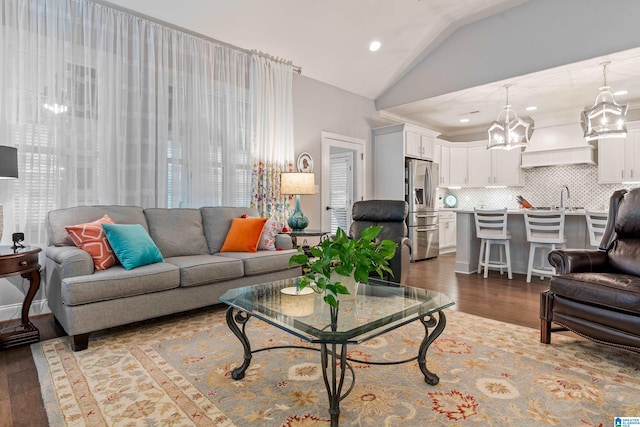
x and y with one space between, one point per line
346 257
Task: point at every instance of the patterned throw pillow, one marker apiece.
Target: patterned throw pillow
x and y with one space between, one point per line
91 238
269 233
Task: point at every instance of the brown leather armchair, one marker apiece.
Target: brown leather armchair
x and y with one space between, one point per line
391 215
596 294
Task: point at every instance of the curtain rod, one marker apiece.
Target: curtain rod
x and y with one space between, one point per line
137 14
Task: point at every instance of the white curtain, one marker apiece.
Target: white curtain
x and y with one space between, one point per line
109 108
271 91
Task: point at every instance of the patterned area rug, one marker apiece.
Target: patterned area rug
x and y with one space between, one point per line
176 372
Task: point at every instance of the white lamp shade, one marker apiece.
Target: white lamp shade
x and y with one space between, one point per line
297 183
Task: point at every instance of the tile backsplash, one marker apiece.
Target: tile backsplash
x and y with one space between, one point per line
542 188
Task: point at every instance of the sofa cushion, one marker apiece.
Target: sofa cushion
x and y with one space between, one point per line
198 270
262 261
618 291
90 237
117 282
217 221
132 245
244 235
57 219
177 232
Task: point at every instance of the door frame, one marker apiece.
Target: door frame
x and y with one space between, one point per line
358 146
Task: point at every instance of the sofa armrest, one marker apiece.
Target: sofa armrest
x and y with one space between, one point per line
579 261
283 240
73 261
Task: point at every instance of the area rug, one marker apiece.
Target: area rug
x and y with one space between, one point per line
176 372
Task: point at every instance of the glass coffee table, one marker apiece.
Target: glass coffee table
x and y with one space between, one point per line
375 309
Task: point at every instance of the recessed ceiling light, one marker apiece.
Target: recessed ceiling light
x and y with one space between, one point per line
464 120
620 92
375 45
532 108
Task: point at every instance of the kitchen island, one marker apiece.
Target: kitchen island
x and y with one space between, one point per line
468 245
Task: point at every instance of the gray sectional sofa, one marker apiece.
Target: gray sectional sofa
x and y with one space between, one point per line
194 273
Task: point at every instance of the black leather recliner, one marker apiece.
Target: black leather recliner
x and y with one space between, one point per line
391 215
596 294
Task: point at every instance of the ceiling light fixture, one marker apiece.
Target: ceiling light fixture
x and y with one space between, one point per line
509 131
532 108
464 120
606 119
375 45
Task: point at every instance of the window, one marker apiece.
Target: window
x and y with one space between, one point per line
341 191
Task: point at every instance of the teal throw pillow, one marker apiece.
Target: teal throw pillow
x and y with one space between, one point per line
132 245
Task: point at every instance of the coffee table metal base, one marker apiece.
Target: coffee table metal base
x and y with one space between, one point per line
334 360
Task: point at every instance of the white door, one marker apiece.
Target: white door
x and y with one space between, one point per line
349 184
341 197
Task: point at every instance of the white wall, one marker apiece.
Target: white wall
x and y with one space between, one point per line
320 107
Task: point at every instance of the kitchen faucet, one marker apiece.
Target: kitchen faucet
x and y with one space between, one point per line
562 196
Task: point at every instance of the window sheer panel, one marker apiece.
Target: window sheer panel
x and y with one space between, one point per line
272 134
109 108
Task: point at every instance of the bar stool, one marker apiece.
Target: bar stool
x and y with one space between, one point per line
491 228
545 231
596 224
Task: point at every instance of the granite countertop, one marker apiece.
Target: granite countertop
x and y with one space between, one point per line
576 212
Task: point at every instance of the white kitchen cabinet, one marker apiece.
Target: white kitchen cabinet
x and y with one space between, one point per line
486 167
619 158
447 234
441 156
458 167
479 165
505 168
494 167
391 145
418 145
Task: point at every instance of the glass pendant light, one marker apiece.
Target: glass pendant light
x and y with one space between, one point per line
606 119
509 131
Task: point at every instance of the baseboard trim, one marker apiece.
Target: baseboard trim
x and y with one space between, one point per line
14 311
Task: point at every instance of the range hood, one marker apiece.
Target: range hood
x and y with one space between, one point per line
558 145
559 157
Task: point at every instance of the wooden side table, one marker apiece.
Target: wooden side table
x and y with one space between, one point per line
24 262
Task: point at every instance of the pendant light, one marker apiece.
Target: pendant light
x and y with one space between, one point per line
606 119
509 131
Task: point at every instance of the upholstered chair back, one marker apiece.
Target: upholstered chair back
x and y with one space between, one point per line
622 236
390 214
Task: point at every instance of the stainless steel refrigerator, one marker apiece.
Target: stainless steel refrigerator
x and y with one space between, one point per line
421 177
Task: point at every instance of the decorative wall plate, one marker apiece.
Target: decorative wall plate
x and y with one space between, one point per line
305 162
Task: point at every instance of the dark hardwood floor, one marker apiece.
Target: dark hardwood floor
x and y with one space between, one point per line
512 301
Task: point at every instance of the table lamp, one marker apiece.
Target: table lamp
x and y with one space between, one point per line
8 169
297 183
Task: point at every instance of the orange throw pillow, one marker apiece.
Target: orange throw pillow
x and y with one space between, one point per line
244 235
91 238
